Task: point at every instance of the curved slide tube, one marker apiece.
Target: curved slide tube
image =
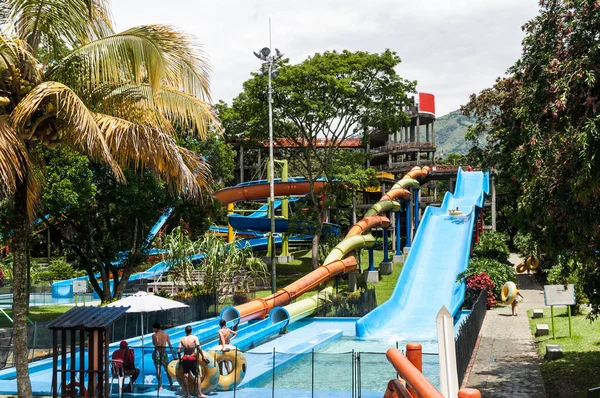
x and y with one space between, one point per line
260 307
243 192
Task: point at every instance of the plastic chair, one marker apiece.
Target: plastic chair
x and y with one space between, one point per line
117 372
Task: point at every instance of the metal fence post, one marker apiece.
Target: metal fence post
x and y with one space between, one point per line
313 373
273 385
353 370
235 375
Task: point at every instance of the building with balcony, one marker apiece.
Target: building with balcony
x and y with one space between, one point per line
414 145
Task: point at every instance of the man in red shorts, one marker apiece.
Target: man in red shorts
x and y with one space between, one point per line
190 346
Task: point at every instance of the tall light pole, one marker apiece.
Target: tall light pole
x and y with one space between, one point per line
269 61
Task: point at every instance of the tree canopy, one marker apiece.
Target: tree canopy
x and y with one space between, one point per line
66 77
543 120
328 97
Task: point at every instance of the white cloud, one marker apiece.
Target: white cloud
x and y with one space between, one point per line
451 47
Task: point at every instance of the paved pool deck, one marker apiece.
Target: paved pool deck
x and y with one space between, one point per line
507 363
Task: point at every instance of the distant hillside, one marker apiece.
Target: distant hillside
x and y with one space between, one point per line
450 133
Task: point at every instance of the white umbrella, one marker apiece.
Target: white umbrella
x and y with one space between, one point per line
144 302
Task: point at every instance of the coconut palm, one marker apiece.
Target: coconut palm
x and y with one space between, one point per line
67 78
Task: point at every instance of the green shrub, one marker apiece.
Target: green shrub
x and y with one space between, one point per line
492 245
163 294
58 270
499 272
526 244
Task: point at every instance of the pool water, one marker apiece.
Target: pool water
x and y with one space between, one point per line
345 363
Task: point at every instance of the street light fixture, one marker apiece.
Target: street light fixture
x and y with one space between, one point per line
269 62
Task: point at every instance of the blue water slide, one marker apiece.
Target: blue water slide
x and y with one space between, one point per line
440 251
159 224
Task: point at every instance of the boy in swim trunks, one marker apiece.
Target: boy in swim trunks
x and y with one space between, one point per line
190 346
225 336
160 339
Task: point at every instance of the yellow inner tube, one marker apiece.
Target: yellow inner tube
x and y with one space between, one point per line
521 268
509 292
230 358
208 373
532 263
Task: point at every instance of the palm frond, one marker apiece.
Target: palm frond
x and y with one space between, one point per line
167 104
140 147
59 21
75 124
14 160
156 54
15 53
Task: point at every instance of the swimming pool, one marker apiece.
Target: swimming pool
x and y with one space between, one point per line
336 368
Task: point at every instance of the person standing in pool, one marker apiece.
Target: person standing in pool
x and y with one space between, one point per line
190 346
225 336
160 339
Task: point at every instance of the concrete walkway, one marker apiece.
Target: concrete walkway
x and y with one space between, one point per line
507 363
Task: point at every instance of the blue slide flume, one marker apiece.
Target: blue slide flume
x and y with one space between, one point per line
440 251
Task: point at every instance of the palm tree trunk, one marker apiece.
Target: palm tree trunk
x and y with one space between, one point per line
21 246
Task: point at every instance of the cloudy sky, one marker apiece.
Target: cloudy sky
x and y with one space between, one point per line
451 47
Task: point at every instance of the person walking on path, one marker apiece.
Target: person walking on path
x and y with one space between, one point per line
506 363
160 339
515 304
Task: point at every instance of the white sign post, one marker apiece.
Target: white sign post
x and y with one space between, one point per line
447 352
559 295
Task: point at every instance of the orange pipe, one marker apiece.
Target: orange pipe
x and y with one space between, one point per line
469 393
414 353
257 191
414 378
259 308
396 193
395 389
368 223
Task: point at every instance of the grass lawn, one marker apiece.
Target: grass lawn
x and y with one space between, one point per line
579 369
37 314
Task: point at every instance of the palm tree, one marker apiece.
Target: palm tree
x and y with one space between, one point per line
120 98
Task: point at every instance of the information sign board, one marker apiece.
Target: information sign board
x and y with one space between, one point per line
559 295
79 286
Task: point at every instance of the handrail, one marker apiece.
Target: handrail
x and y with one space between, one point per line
414 378
395 389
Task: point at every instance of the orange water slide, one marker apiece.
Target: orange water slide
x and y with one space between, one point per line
258 308
259 191
368 223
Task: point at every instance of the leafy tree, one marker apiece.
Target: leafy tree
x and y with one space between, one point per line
327 97
59 269
67 77
543 126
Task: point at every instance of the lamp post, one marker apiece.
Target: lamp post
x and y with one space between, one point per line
268 66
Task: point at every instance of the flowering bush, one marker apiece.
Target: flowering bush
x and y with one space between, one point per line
478 282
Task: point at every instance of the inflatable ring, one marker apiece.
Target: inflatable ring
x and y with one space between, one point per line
532 263
238 363
509 292
76 385
208 373
521 268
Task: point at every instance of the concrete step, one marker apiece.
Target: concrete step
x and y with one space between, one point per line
538 313
541 329
553 351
